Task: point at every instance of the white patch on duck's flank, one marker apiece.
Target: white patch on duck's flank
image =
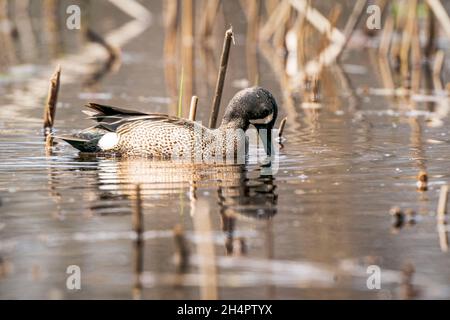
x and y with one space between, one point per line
264 120
108 141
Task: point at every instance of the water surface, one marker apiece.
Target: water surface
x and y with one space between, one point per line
308 231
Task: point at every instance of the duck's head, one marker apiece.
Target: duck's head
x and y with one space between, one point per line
255 106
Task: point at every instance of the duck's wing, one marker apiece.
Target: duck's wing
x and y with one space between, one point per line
111 118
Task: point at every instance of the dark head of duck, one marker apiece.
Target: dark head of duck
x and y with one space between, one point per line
255 106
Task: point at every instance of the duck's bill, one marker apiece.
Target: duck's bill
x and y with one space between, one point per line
265 134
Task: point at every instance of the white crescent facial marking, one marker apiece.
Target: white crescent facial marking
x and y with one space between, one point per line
264 120
108 141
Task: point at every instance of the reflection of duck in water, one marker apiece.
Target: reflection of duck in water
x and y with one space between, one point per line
239 194
164 178
253 198
132 133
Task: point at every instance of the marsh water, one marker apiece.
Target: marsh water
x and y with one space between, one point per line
310 230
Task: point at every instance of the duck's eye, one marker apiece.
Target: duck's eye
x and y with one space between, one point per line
267 119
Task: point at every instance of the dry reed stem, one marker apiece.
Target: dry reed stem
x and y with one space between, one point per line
170 45
221 77
329 54
251 40
441 15
281 128
187 31
416 57
430 47
386 37
275 20
207 19
437 69
407 38
193 108
52 100
352 22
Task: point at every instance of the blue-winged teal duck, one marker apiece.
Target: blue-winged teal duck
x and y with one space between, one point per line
133 133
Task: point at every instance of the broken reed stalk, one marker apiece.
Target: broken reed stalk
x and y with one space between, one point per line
281 129
221 77
52 99
442 204
181 247
193 108
137 218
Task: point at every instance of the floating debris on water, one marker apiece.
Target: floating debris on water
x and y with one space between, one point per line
397 217
422 181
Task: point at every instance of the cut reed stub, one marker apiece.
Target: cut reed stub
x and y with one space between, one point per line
221 77
52 100
193 108
138 220
48 143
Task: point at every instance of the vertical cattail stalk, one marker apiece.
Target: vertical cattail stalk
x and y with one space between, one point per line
52 99
221 77
193 108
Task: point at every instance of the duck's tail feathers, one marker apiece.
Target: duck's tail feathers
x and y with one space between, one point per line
84 145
